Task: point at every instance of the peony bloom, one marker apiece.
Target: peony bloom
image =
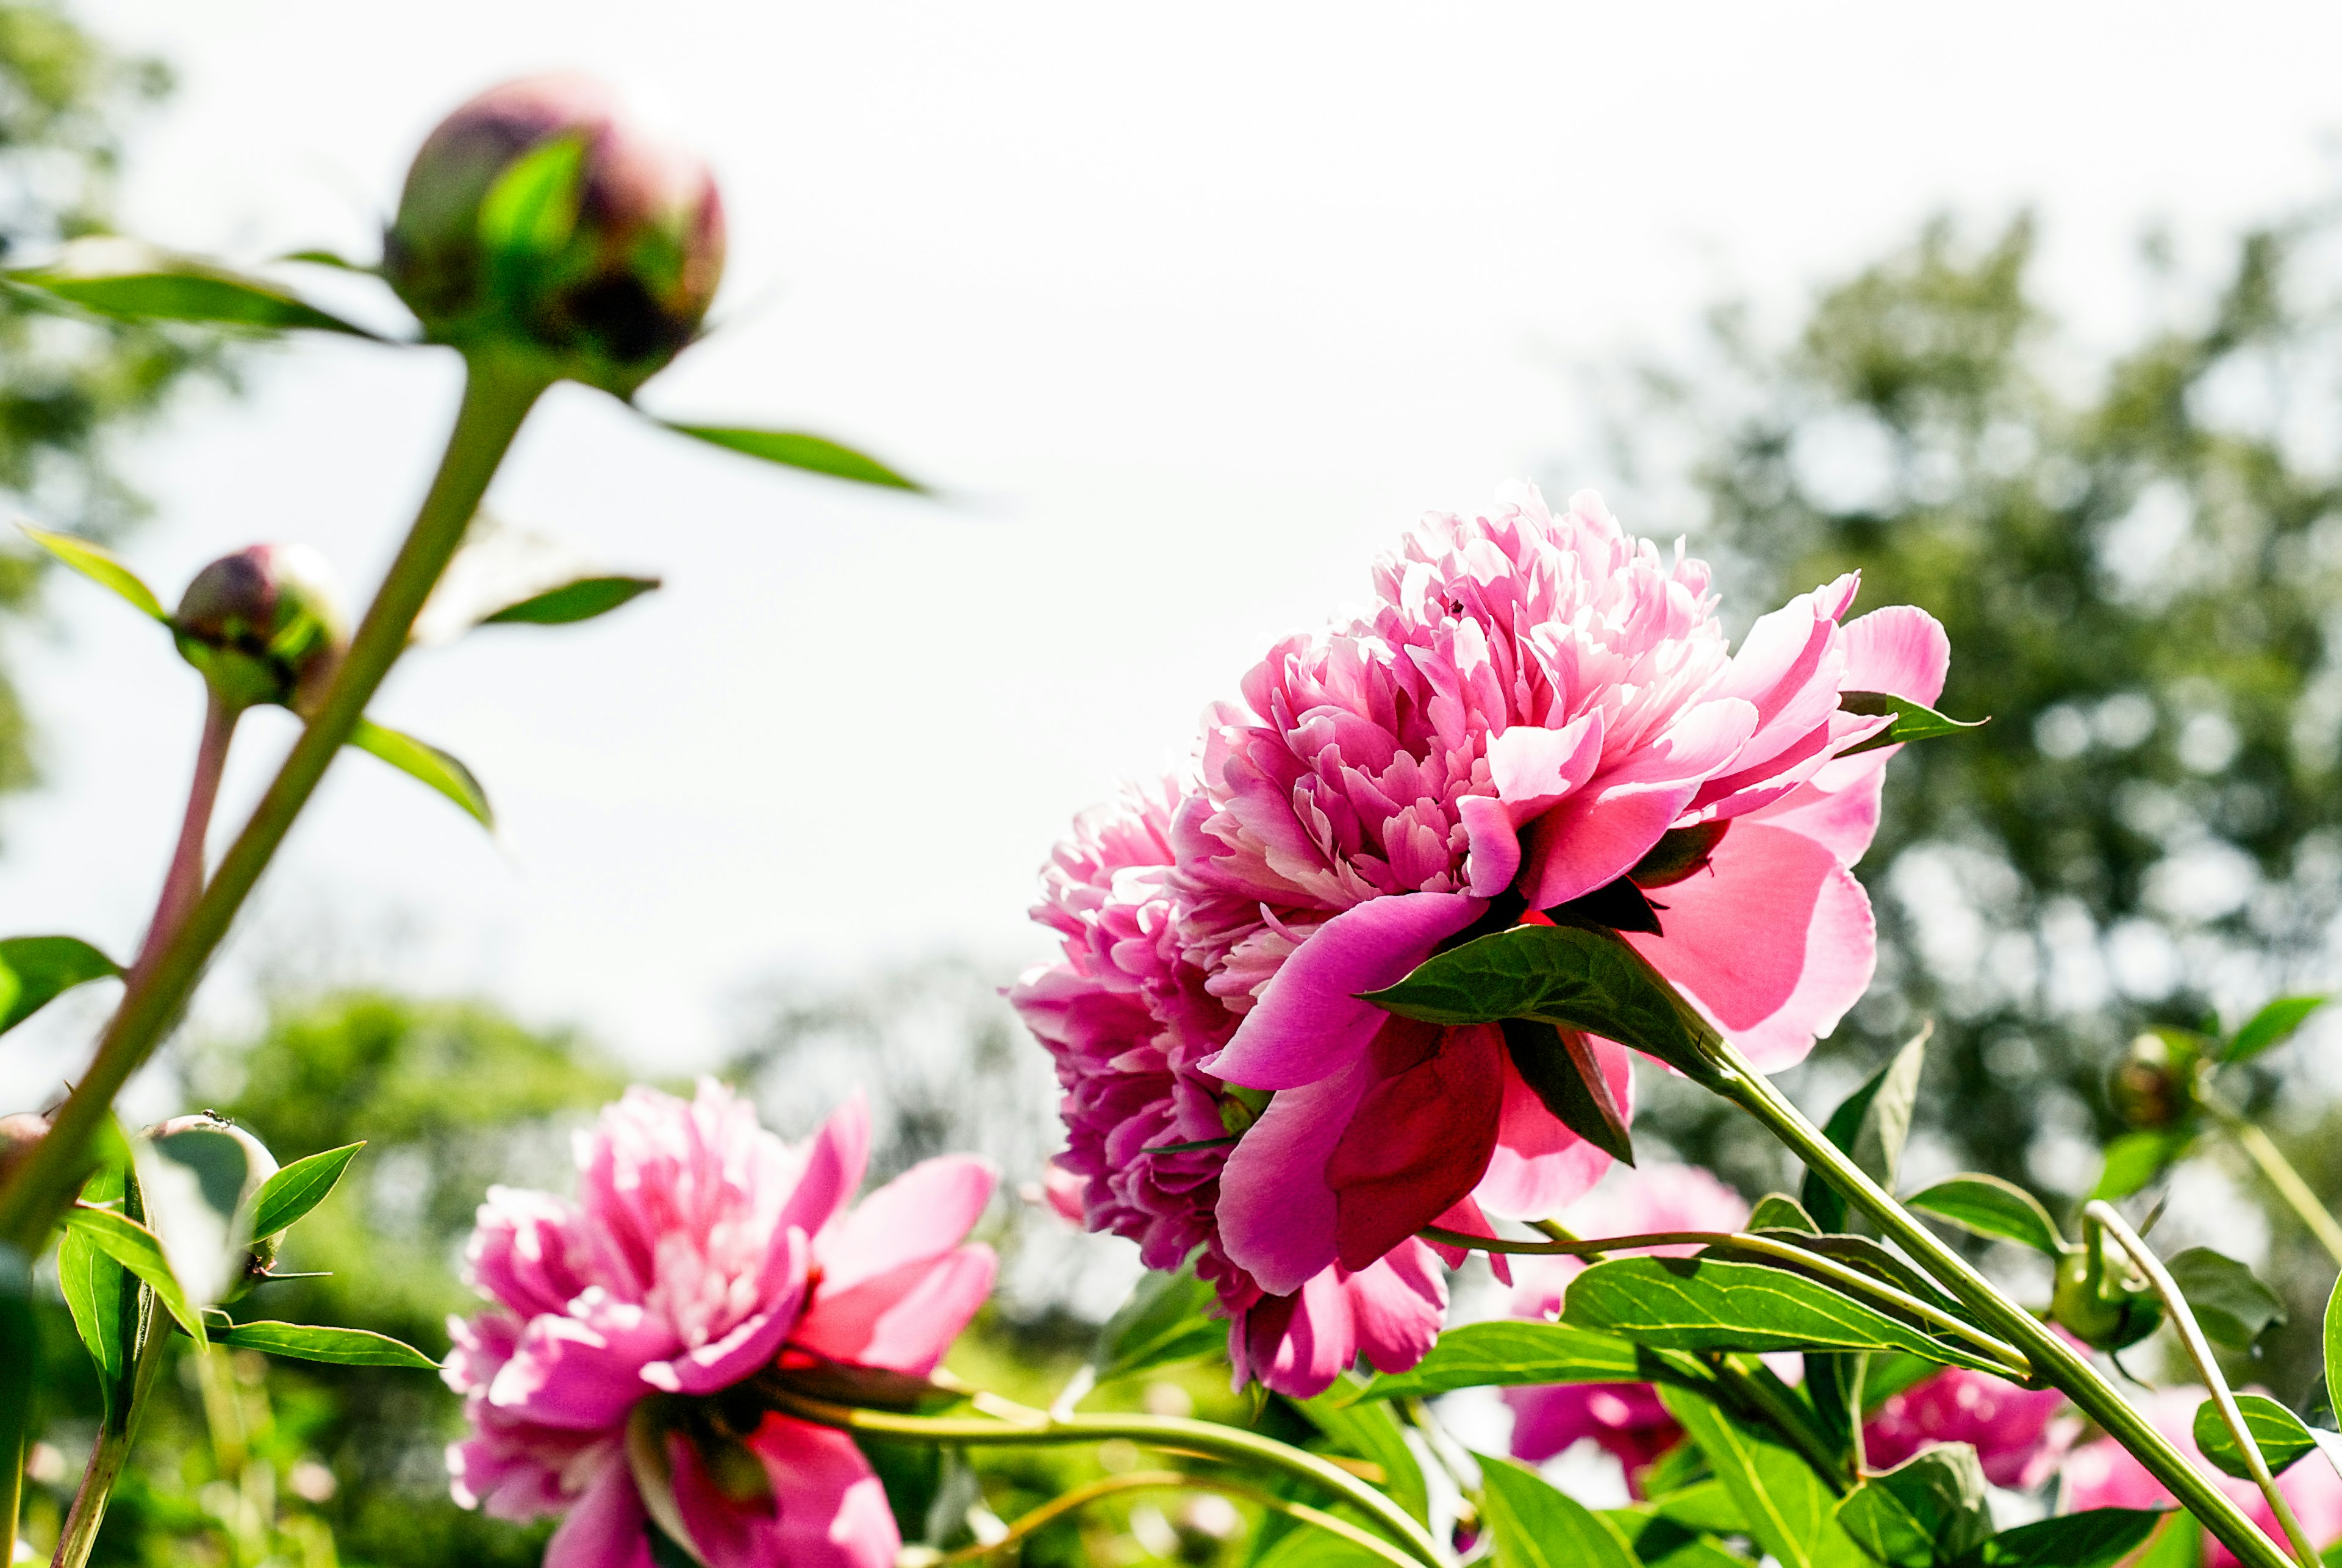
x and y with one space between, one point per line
1539 711
2106 1475
1626 1419
1127 1018
2008 1426
703 1250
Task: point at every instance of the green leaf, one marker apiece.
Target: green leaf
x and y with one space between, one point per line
579 601
796 449
140 1251
2272 1025
134 281
35 971
1707 1304
2279 1433
1565 975
313 1342
2093 1538
297 1188
2332 1340
1658 1542
1506 1353
1871 1125
1884 1376
1787 1508
1371 1433
2232 1307
2134 1159
100 565
1706 1505
1992 1207
334 259
1303 1547
1559 1067
428 764
99 1294
1168 1320
1928 1508
1856 1253
1913 721
1780 1212
532 209
1535 1526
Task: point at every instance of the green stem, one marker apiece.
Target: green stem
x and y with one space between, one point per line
1231 1445
2053 1359
2280 1173
498 397
1148 1480
184 883
113 1450
2105 1216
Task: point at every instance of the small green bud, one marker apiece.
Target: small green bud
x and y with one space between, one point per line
194 1140
264 626
538 217
2154 1086
2110 1311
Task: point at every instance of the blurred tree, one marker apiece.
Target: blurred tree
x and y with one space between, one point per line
67 384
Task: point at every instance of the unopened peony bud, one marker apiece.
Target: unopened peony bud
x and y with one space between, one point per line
264 626
537 217
183 1139
2108 1313
18 1132
2153 1086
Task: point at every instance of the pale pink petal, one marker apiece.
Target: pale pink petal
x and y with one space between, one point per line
606 1528
1309 1023
525 1251
1276 1214
748 1346
834 1159
1532 768
1540 1164
1838 806
1901 651
904 1320
833 1510
920 1216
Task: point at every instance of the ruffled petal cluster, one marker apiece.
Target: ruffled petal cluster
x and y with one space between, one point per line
701 1250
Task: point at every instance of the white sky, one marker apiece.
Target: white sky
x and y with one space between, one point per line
1195 307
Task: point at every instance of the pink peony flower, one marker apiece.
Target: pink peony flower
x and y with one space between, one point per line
703 1250
1127 1018
1626 1419
1538 711
2008 1426
2106 1475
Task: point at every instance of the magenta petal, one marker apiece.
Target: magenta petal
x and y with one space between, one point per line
1397 1306
1299 1343
1277 1212
581 1372
905 1320
1309 1023
607 1527
920 1216
1590 841
1540 1164
833 1510
834 1159
1901 650
751 1343
1466 1217
1495 857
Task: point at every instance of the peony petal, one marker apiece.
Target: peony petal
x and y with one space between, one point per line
1276 1214
1494 857
1901 651
606 1528
582 1373
905 1320
1838 806
1594 836
919 1216
1397 1306
1309 1023
1532 768
526 1251
1297 1344
1465 1217
1774 940
1420 1137
832 1509
728 1529
751 1343
834 1159
1540 1165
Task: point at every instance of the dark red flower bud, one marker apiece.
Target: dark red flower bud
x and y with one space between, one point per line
537 217
2154 1086
264 626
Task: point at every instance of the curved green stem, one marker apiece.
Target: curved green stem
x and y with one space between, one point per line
497 397
113 1450
1149 1480
2278 1171
1021 1426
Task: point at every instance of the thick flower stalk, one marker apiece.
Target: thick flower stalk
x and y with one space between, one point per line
701 1252
2103 1474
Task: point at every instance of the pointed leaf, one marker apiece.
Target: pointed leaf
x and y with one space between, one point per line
1871 1124
334 259
581 600
1507 1353
1168 1320
1787 1508
1370 1431
140 1251
1705 1505
2232 1307
2272 1025
796 449
2093 1538
1559 1067
1537 1526
1992 1207
428 764
313 1342
1931 1506
100 565
133 281
1913 721
1780 1212
35 971
532 209
2136 1159
1659 1542
2280 1435
2332 1344
297 1188
99 1292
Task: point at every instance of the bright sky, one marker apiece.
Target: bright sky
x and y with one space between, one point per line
1193 308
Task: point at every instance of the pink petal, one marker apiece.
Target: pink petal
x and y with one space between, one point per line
1276 1214
725 1531
1774 940
1467 1218
904 1320
1901 651
751 1344
1540 1164
917 1217
1298 1344
526 1251
1839 805
1494 857
1532 768
1309 1023
834 1159
1420 1137
1594 836
1397 1306
608 1527
833 1510
585 1372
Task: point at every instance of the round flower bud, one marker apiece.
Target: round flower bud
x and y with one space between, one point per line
264 626
2154 1086
18 1132
191 1141
538 217
2108 1313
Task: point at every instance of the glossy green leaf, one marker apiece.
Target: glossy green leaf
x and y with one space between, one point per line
1707 1303
140 1251
1506 1353
1168 1320
313 1342
2272 1025
100 565
297 1188
1787 1508
579 601
1706 1505
101 1295
132 282
1884 1376
2136 1159
796 449
2279 1434
1860 1252
1871 1124
1931 1506
1992 1207
428 764
2232 1307
1913 721
35 971
1780 1212
1560 1069
2331 1342
1565 974
1658 1542
1371 1433
1533 1525
2093 1538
